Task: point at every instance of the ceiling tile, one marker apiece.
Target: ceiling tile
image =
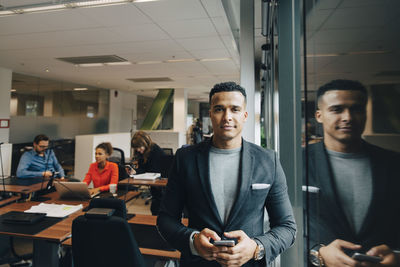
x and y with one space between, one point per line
145 32
173 10
189 28
127 14
205 43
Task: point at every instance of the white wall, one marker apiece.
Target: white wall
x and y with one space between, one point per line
123 112
180 110
5 95
6 153
85 149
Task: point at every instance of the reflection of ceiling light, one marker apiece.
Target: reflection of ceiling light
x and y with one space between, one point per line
91 65
368 52
181 60
371 52
122 63
80 89
148 62
215 59
325 55
66 5
13 90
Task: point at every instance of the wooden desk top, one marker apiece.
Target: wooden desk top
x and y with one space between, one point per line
59 231
158 182
9 200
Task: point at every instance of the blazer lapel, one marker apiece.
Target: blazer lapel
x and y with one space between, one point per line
204 173
246 172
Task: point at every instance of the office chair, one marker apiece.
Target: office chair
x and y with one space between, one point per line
105 241
168 151
118 156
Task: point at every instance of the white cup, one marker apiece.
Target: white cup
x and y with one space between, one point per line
113 188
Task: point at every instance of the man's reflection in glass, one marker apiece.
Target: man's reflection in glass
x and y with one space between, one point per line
354 187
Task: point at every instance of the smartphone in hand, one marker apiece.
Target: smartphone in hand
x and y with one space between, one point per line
363 257
226 242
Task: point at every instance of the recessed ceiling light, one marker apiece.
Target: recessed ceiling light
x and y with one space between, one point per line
148 62
181 60
215 59
122 63
91 65
80 89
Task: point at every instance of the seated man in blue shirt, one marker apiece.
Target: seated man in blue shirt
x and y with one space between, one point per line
40 161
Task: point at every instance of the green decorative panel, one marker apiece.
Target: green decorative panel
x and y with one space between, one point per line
157 109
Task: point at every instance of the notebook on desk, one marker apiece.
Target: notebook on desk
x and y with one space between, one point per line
74 190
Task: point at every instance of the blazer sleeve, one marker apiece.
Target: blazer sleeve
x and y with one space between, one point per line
282 231
169 218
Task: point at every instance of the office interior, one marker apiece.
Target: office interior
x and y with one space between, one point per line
70 70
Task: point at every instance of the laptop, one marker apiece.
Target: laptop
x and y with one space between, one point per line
74 190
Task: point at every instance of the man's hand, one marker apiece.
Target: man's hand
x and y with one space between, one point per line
334 256
390 259
47 174
203 246
239 254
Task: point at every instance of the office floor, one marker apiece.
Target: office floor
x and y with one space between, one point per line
137 206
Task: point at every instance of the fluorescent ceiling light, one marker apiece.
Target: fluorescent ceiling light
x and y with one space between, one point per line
122 63
65 5
42 8
99 3
13 90
91 65
80 89
148 62
7 13
215 59
181 60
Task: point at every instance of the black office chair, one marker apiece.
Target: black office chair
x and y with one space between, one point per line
168 151
105 241
118 156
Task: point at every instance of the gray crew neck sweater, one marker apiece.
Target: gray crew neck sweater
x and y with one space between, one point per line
224 178
353 178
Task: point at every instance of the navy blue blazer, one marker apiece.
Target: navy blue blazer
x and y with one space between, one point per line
327 220
189 186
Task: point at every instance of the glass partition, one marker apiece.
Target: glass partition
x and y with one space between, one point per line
59 109
351 118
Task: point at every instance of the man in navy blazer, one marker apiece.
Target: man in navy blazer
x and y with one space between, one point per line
353 186
225 185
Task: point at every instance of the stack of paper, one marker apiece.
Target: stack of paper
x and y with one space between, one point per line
147 176
55 210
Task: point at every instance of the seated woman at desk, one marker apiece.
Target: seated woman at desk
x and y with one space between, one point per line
148 158
102 172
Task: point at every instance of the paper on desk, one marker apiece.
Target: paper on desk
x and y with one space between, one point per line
147 176
55 210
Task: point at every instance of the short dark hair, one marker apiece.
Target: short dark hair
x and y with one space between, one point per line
106 146
342 85
40 137
227 87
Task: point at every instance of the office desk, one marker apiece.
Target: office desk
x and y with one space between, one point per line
146 220
47 241
157 182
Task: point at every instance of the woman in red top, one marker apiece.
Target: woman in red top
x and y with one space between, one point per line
102 172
